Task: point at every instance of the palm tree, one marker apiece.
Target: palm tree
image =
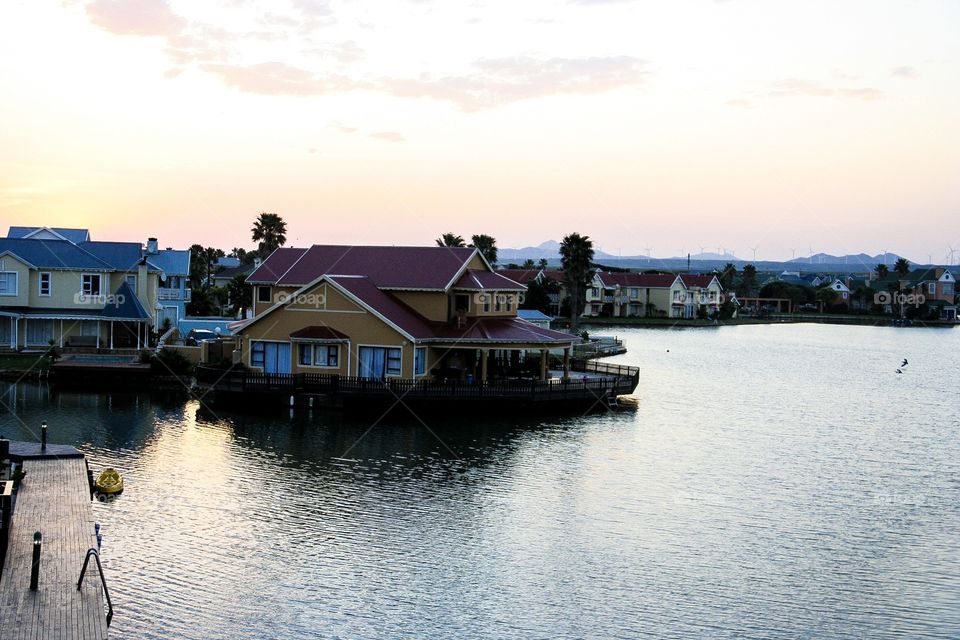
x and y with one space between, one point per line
748 282
450 240
727 275
881 270
528 264
576 256
487 246
543 264
270 231
902 267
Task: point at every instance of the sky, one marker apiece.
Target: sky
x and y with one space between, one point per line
766 128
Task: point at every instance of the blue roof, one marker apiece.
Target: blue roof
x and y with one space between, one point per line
533 315
173 262
52 254
60 254
124 306
75 236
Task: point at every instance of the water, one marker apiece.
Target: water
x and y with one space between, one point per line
776 482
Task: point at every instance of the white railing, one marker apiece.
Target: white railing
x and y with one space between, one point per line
174 294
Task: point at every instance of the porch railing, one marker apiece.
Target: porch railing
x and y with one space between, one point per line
610 380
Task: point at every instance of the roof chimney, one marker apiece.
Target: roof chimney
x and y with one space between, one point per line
151 246
256 263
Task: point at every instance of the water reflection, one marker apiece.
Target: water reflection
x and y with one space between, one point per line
766 487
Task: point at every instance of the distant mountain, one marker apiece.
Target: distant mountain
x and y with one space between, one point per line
549 250
708 256
851 259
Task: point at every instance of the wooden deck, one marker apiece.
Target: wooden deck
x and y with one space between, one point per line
55 500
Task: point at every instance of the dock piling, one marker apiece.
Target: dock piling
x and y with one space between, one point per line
43 436
35 567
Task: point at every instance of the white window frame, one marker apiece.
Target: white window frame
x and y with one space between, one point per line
932 288
84 282
314 350
16 283
127 279
40 278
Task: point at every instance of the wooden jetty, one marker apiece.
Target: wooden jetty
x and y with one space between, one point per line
54 499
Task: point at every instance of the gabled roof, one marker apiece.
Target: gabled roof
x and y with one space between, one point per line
644 280
172 262
427 268
75 236
477 280
232 272
120 256
691 280
503 330
388 308
124 306
523 276
53 254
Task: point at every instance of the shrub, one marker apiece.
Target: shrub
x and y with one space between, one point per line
168 361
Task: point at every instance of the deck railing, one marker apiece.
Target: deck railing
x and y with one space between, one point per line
609 380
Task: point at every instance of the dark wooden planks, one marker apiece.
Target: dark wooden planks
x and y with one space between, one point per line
55 500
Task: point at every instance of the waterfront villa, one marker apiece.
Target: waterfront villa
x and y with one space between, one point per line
622 295
433 322
59 286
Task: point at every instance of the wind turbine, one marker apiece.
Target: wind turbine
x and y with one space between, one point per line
794 252
952 251
754 249
648 250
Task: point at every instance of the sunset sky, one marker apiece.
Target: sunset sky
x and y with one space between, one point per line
670 125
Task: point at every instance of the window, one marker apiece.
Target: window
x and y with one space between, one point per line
8 283
263 294
90 284
595 292
378 362
419 361
132 280
509 302
486 302
89 328
932 288
44 288
633 293
39 332
320 355
257 354
497 300
948 289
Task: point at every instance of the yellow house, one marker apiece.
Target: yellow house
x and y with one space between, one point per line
56 285
391 312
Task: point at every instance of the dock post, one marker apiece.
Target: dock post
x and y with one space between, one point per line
35 568
43 436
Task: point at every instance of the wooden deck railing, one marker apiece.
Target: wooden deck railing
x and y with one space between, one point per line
610 380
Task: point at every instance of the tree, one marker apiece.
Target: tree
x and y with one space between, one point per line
202 265
543 264
825 296
450 240
537 296
240 294
881 270
576 256
239 253
748 281
902 267
487 246
727 276
528 264
270 231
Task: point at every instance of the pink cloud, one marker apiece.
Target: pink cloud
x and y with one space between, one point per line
135 17
277 78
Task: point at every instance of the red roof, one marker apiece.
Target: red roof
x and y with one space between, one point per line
276 265
476 280
388 267
314 332
523 276
651 280
398 313
697 280
500 330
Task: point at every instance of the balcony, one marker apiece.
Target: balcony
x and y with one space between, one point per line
184 295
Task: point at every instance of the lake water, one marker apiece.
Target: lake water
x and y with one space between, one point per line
777 481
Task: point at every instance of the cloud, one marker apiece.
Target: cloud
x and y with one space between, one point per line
795 87
343 52
499 81
277 78
388 136
906 72
135 17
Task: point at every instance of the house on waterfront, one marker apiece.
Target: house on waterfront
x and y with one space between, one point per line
932 287
415 313
57 285
623 295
